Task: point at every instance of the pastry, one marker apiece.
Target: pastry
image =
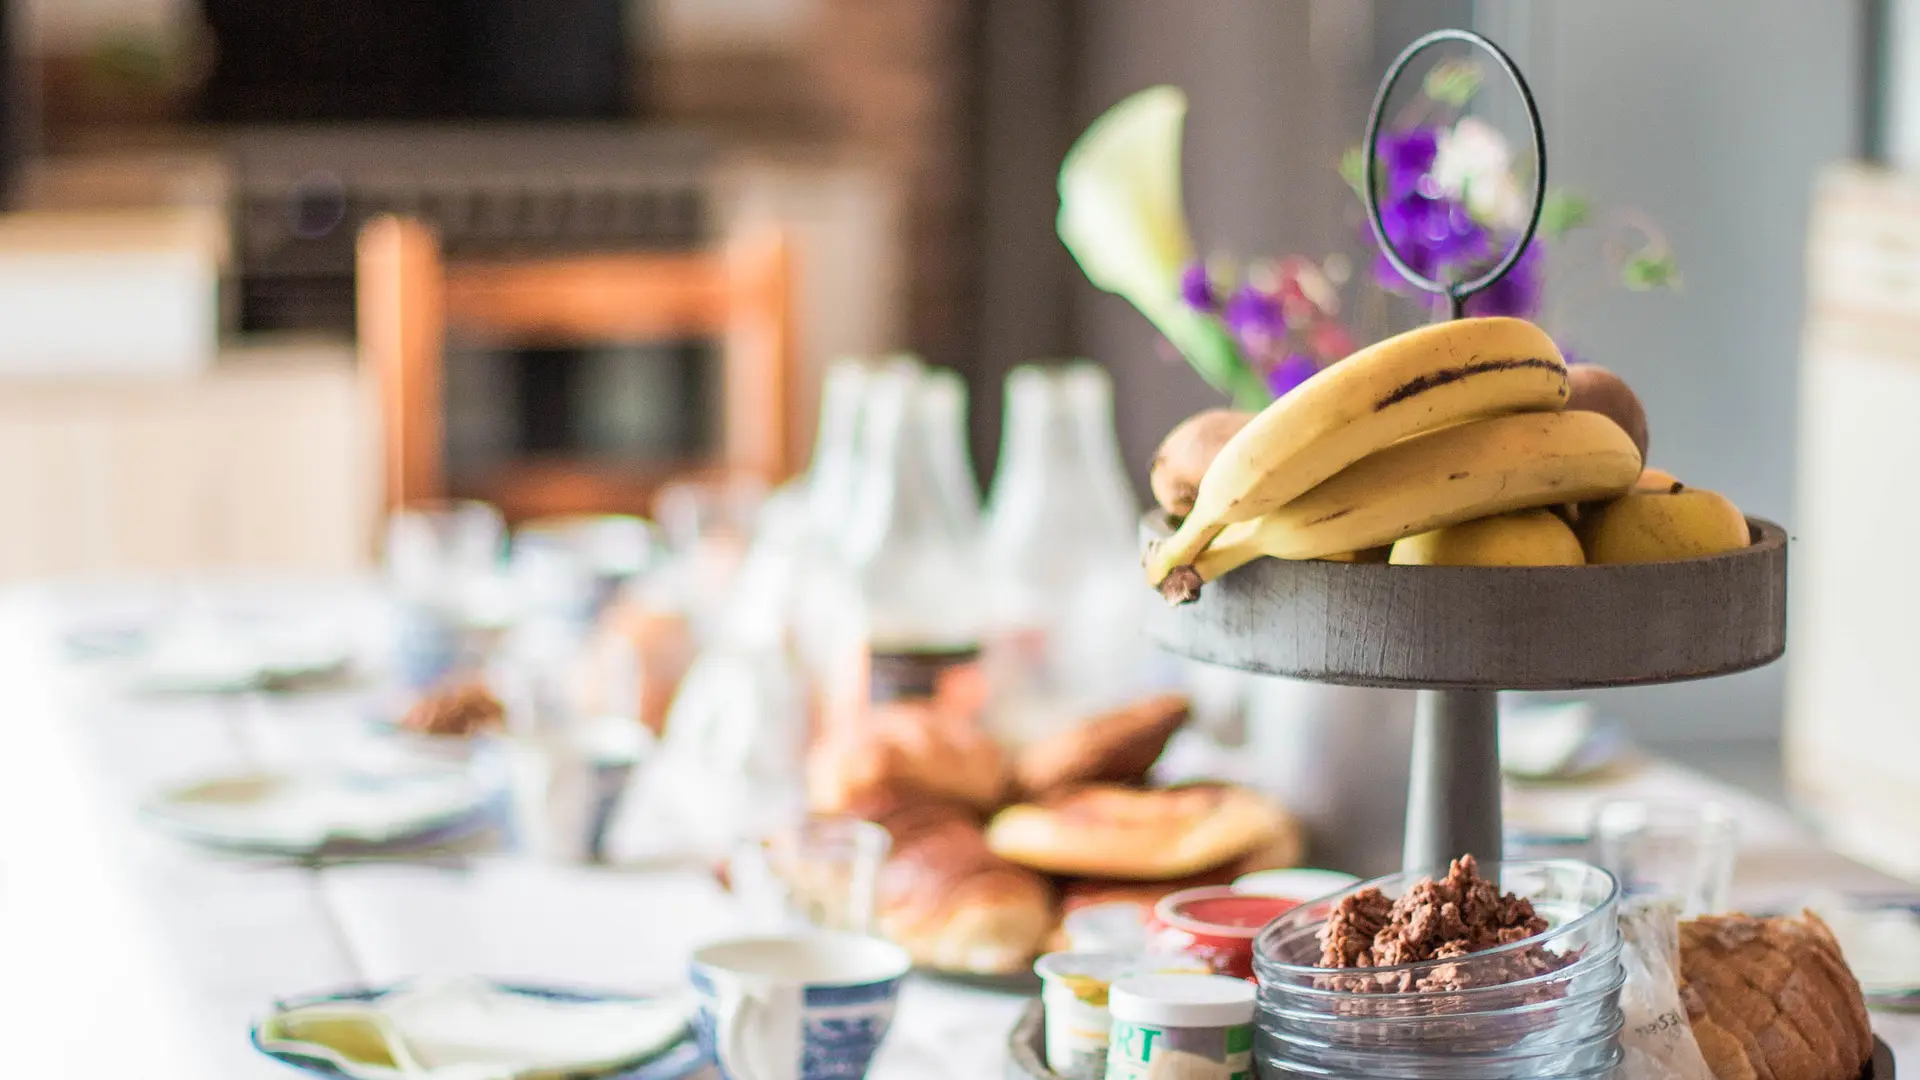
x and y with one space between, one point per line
906 748
951 903
1125 834
1117 747
1770 999
460 708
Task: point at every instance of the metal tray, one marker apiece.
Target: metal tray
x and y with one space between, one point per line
1027 1050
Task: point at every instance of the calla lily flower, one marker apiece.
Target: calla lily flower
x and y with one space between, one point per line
1122 218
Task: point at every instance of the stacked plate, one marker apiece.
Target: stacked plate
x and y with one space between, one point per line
1547 1006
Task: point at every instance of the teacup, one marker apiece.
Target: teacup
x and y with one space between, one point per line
807 1006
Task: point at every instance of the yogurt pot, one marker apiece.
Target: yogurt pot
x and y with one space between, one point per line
1193 1027
1215 924
1073 991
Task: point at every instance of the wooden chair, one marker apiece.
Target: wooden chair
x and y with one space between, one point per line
409 298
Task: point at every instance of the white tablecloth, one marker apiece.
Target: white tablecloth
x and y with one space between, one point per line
126 954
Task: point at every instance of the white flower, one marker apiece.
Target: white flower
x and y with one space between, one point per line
1473 163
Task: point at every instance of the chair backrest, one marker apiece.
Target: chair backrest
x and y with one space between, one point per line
409 297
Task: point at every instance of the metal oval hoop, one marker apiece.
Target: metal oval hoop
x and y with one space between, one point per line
1457 292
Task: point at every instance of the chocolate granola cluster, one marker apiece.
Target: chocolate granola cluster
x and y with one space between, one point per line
1448 919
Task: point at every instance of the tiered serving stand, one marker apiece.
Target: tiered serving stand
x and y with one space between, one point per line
1457 636
1460 634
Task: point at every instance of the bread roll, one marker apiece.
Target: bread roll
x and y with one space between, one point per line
907 748
1773 999
1117 747
1126 834
951 903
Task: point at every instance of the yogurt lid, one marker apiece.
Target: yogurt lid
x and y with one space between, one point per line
1295 884
1197 1001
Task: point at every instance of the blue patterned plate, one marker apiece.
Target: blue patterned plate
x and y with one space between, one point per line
682 1059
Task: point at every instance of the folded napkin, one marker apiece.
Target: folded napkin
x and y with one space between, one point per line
471 1029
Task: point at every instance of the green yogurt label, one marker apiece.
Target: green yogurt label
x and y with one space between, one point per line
1137 1051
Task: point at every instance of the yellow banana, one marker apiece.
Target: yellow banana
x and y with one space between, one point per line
1442 478
1415 382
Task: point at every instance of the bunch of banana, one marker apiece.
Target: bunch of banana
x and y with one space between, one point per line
1443 446
1457 474
1427 379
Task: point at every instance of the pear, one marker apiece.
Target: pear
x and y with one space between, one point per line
1592 388
1186 452
1522 538
1659 526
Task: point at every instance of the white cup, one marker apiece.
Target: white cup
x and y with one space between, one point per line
807 1006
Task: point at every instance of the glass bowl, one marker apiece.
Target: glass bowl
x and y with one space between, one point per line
1575 1018
1595 969
1579 901
1596 1062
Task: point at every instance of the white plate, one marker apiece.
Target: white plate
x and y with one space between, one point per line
220 658
306 813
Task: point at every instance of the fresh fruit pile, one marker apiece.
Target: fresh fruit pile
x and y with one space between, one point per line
1465 443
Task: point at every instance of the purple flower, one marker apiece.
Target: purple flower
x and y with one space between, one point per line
1196 288
1256 319
1290 373
1408 156
1518 293
1435 235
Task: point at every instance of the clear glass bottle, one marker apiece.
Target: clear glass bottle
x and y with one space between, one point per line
940 420
921 614
1059 562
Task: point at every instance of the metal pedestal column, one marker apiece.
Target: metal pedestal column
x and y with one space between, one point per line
1453 801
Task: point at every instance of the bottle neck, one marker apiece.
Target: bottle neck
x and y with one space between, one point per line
834 473
940 426
1087 393
1036 487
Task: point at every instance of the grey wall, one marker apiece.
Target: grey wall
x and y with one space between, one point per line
1713 116
1277 90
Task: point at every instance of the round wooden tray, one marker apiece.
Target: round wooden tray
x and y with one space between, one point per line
1027 1051
1489 628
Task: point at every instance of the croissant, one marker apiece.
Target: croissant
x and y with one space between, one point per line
907 748
951 903
1116 747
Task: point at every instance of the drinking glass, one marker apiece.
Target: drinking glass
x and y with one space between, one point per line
434 550
822 872
1681 850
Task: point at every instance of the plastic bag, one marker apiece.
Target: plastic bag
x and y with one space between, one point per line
1657 1042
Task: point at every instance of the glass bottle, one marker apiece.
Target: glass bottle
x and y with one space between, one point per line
1061 571
940 420
921 616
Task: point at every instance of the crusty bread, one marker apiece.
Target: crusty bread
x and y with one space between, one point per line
1773 999
906 749
1116 747
951 903
1124 834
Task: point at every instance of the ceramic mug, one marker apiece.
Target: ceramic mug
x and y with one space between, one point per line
808 1006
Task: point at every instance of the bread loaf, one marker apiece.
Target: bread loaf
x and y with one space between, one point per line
1773 999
